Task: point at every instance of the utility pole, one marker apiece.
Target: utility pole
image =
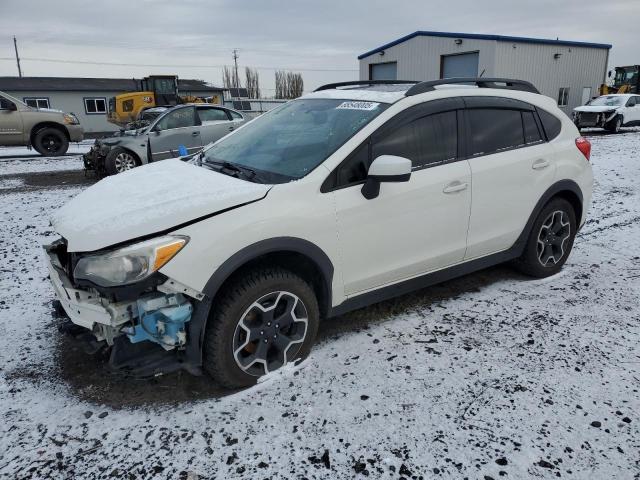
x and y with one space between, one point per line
15 46
235 60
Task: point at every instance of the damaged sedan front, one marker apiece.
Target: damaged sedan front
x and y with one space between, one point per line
107 270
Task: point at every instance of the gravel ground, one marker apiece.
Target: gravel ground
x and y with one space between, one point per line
489 376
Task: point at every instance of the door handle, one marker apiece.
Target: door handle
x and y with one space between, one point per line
540 164
231 129
195 134
456 186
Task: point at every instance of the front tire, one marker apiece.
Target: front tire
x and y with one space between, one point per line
614 125
260 322
51 142
120 160
550 240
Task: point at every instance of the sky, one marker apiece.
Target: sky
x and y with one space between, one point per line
321 39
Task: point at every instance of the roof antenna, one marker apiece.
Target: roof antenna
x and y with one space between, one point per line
482 73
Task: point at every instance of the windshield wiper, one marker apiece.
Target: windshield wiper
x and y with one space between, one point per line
246 172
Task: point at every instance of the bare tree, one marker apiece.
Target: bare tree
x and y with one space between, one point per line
230 78
288 84
252 82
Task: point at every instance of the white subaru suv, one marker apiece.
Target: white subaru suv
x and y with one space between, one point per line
350 195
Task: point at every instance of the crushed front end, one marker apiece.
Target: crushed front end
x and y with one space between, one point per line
94 159
145 324
593 119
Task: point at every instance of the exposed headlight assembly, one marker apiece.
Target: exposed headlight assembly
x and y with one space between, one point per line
129 264
70 119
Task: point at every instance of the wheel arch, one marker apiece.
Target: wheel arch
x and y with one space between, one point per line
128 150
47 124
567 189
295 254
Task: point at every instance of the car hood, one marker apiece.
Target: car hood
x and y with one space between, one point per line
147 200
596 109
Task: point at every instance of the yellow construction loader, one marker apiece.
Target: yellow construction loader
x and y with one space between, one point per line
626 80
153 91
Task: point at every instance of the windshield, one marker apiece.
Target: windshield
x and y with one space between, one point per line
293 139
607 101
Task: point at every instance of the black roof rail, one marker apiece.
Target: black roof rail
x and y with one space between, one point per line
504 83
330 86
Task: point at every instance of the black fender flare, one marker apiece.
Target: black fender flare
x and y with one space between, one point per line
555 189
198 323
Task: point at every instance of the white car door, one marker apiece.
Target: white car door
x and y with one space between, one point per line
411 227
632 110
511 167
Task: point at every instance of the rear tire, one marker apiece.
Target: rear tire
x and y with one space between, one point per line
120 160
51 142
550 240
260 322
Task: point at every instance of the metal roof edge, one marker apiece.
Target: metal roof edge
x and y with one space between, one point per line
479 36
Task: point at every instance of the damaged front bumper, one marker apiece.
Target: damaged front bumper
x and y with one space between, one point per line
148 333
593 119
94 159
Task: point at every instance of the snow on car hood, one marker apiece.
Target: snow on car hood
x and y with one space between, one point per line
148 200
596 109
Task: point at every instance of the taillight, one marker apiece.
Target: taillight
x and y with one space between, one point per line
584 146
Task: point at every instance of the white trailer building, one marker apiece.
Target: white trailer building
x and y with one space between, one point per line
570 72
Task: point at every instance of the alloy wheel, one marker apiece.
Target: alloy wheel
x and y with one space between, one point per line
51 143
124 161
553 237
270 333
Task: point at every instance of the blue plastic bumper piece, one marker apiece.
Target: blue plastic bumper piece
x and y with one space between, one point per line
162 319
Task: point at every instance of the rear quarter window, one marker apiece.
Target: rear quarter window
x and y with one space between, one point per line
551 124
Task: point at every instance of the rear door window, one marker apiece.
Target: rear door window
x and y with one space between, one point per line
494 130
212 114
426 141
179 118
531 131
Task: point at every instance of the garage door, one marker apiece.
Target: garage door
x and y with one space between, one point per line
383 71
462 65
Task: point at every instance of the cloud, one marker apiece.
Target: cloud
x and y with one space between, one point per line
299 34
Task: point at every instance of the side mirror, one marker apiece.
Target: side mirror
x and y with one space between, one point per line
385 168
12 106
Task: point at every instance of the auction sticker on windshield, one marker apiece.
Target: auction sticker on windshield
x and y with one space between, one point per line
358 106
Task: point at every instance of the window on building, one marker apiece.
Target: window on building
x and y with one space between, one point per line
531 131
37 102
563 96
494 130
426 141
95 105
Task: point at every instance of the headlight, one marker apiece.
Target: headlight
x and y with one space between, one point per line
130 264
70 119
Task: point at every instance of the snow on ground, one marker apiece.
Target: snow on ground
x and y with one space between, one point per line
489 376
75 148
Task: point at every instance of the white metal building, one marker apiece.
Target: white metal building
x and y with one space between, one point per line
87 98
570 72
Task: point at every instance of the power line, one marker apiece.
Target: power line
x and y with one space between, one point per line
116 64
